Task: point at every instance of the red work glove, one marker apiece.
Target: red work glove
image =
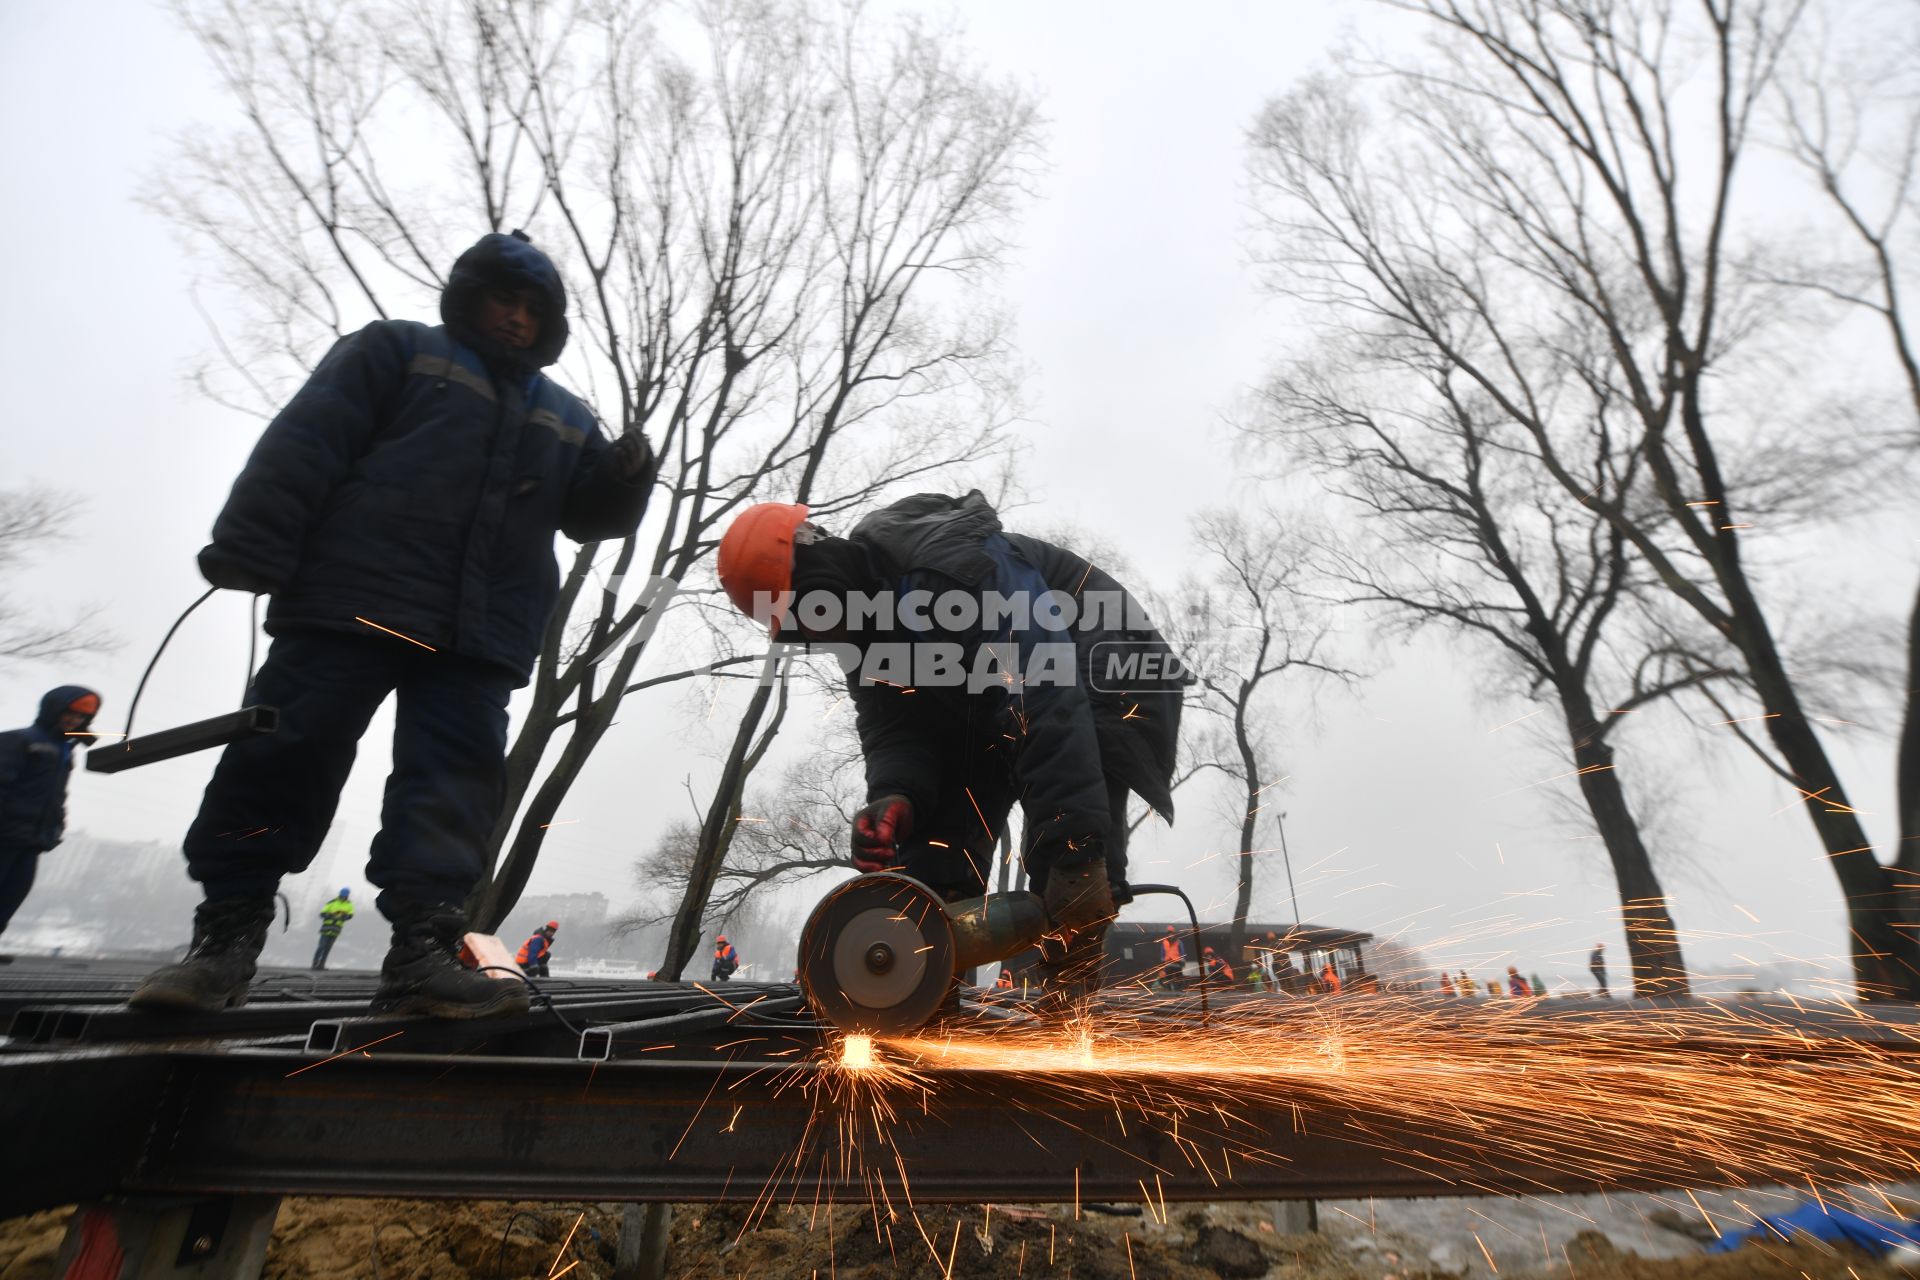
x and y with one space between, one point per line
877 831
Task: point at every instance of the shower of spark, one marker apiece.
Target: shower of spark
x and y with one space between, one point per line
856 1053
1510 1099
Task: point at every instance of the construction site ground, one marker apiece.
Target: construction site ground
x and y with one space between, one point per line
1620 1237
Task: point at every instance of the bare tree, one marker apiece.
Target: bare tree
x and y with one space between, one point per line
774 224
1851 111
31 518
1540 185
792 830
1463 533
1251 621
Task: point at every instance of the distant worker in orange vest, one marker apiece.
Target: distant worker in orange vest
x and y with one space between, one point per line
1217 969
1173 958
1330 979
1517 985
537 950
1005 981
725 959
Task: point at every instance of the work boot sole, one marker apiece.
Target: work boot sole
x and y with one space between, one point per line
168 997
425 1006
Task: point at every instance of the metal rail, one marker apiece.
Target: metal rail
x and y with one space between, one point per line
261 1120
650 1091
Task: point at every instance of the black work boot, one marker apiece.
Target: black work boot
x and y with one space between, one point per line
422 973
228 935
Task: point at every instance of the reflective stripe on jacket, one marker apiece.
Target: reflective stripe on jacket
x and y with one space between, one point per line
334 916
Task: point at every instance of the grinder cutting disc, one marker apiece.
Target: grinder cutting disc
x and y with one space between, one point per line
876 956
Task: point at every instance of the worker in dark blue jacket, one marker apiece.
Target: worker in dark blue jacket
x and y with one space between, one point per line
34 765
400 511
995 669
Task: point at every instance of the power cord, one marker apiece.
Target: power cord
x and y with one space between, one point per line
155 660
541 999
374 1253
1193 918
253 651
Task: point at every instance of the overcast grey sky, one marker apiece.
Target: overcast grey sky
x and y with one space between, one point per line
1409 806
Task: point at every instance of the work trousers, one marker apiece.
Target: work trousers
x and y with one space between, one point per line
17 868
273 796
951 849
325 948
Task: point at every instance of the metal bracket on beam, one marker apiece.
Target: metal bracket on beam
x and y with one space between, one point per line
44 1026
596 1044
148 1238
324 1037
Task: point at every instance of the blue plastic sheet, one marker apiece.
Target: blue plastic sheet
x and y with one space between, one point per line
1877 1236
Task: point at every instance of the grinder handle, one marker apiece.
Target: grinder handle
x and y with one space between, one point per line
995 927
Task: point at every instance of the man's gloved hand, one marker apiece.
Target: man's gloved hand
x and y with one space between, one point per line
222 571
1079 897
878 830
631 457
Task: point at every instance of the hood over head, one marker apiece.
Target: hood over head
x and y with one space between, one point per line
931 531
59 700
509 261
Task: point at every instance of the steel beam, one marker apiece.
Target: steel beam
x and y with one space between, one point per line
197 1123
739 1107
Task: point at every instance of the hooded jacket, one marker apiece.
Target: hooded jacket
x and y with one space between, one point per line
34 765
416 481
1072 736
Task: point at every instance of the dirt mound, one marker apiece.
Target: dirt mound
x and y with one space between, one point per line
429 1240
320 1239
28 1245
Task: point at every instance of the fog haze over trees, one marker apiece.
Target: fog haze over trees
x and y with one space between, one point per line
1539 218
772 223
1585 381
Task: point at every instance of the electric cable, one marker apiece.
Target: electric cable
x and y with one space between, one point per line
374 1252
542 999
253 650
1193 918
500 1254
155 660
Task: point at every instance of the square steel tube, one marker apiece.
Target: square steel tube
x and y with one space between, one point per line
150 748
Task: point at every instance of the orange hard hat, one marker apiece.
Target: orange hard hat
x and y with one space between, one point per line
756 557
721 938
553 924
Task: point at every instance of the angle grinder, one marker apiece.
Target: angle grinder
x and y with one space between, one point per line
879 953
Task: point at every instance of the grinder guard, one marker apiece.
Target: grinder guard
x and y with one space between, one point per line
876 956
879 954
